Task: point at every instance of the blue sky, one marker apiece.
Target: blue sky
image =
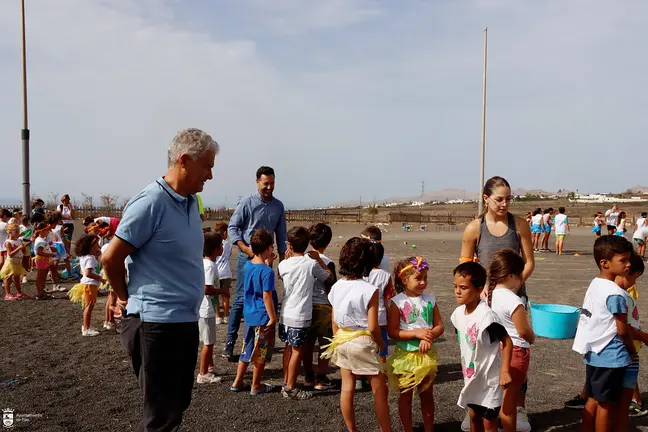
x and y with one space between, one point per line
344 98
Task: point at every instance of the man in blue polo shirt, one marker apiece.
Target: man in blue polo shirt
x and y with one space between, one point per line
258 211
160 237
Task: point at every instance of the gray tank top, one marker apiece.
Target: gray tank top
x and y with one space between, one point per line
488 244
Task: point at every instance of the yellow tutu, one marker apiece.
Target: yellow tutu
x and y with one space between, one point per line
10 269
83 293
408 369
342 336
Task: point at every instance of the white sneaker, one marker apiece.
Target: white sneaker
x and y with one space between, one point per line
219 320
89 332
523 424
465 424
208 378
58 288
24 279
225 320
108 325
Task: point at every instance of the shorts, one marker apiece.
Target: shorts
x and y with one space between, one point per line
42 264
596 230
483 412
293 336
639 242
536 229
604 384
226 282
619 233
611 228
258 344
359 355
86 294
207 330
520 364
547 229
560 236
385 336
631 376
321 330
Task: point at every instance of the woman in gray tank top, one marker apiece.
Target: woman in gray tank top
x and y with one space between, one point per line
497 229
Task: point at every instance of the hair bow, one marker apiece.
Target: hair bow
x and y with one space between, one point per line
417 263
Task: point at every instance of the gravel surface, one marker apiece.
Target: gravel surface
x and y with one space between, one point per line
56 380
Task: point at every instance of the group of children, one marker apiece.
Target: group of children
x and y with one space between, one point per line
352 319
541 224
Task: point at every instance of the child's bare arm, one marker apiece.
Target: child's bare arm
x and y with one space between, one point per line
624 332
89 273
374 328
522 324
268 301
639 335
12 250
507 354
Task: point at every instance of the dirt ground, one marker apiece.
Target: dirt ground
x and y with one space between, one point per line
56 380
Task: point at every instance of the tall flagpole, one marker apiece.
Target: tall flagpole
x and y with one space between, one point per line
24 133
483 133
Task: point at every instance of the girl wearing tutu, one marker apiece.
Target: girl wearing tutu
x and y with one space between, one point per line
87 248
415 322
12 269
485 368
44 256
598 223
357 341
621 223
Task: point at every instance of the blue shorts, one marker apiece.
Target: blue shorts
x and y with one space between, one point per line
536 229
293 336
619 233
547 228
631 376
596 230
385 336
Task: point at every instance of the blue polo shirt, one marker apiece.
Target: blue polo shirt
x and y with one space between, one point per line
166 281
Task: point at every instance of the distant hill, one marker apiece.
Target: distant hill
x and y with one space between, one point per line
639 189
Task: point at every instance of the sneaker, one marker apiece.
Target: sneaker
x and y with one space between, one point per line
219 321
10 297
523 424
465 424
89 332
208 378
296 394
637 410
224 320
323 383
577 402
58 288
228 351
108 325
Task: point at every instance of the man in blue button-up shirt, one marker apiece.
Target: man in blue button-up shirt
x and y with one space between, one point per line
258 211
161 235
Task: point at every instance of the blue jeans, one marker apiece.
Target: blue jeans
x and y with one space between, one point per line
236 309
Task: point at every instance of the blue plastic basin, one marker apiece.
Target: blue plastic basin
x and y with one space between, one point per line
554 321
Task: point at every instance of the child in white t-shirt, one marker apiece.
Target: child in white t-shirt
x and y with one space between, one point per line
639 237
561 223
43 259
415 322
505 274
298 273
212 249
225 274
87 249
485 367
621 222
27 237
382 280
357 341
5 216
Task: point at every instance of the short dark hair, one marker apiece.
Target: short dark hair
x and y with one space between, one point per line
53 218
25 219
220 228
474 271
298 238
84 244
356 258
40 226
379 253
260 242
644 214
37 218
561 210
5 213
636 264
605 247
88 220
320 235
264 171
212 242
373 232
550 209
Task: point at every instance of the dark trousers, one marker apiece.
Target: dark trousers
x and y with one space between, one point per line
164 358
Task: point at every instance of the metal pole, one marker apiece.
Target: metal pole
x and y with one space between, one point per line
483 134
24 133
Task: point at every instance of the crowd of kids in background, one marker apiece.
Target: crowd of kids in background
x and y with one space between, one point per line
351 318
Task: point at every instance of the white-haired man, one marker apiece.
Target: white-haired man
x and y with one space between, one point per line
161 235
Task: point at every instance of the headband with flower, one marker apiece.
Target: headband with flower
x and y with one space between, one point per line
418 263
